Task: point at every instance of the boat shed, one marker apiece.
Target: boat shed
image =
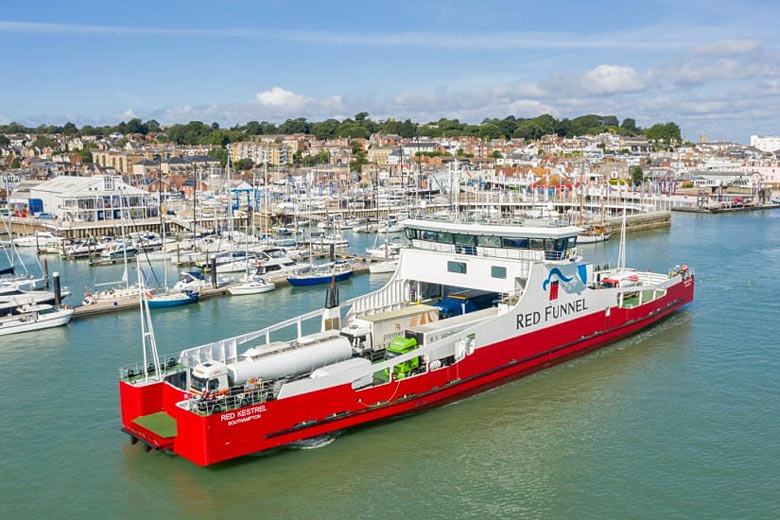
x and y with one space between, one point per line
91 199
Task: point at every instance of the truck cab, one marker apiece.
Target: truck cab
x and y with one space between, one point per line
209 379
397 347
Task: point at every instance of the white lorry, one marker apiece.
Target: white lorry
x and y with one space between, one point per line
369 333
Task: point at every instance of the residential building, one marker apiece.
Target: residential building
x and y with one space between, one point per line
765 143
270 153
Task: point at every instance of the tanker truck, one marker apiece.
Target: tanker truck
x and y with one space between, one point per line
261 369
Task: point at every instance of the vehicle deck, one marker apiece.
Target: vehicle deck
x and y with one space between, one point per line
159 423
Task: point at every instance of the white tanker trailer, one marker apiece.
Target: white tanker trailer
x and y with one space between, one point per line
240 379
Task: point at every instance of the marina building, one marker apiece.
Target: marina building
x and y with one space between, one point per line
91 199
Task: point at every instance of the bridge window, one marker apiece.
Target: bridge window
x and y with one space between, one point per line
411 234
488 241
456 267
497 271
443 237
515 243
465 240
537 244
429 235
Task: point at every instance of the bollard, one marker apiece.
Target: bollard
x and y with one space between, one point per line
57 293
46 270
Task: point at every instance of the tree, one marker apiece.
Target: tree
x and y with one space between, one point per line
490 131
294 126
321 158
70 129
495 154
45 142
664 132
4 141
15 163
609 121
243 164
629 125
637 175
221 154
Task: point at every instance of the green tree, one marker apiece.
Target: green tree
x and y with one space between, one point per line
4 141
221 154
243 164
629 125
70 129
46 142
294 126
15 163
495 154
637 175
321 158
490 131
664 132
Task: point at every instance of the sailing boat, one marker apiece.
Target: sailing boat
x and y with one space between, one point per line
116 293
388 259
593 234
621 276
250 284
167 298
324 273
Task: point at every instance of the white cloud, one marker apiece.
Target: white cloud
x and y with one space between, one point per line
728 47
279 98
610 79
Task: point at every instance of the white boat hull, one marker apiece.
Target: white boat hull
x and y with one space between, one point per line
251 288
383 267
14 326
592 239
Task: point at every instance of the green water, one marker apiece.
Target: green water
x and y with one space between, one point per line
680 421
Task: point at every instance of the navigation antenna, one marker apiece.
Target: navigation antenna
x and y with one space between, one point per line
622 250
147 331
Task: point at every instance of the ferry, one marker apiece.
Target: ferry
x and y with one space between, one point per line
524 300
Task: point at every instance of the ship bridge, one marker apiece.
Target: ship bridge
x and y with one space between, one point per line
487 256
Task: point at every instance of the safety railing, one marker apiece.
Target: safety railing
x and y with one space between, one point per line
138 372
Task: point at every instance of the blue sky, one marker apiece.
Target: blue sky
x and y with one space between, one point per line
712 66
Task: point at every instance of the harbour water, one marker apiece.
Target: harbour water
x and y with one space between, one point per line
680 421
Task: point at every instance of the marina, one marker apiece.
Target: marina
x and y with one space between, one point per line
559 409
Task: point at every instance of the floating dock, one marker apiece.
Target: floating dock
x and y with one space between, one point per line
726 209
360 266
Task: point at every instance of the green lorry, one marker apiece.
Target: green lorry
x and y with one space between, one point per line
398 346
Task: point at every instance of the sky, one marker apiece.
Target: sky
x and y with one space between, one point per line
712 66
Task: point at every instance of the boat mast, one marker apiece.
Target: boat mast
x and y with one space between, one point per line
194 204
582 195
147 331
265 200
124 240
10 222
622 251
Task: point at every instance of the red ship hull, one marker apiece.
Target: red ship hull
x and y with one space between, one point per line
214 438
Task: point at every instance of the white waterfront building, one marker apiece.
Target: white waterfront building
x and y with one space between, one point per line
765 143
91 199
